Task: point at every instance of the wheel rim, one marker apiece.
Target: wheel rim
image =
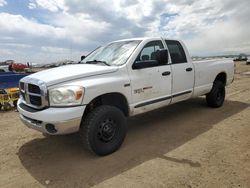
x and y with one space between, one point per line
107 130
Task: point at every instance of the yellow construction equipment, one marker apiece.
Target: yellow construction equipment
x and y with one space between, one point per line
8 96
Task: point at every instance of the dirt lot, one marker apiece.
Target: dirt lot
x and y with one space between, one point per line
184 145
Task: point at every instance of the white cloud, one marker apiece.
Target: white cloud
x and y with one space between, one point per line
55 50
207 26
19 24
6 38
3 3
228 33
17 45
61 53
201 23
80 27
51 5
32 5
6 52
67 31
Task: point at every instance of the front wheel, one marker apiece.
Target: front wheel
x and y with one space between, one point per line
216 96
103 130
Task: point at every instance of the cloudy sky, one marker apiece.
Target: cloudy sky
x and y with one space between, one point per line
42 31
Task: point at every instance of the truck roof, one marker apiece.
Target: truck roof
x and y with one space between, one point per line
143 38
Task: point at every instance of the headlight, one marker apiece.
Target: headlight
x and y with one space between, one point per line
66 96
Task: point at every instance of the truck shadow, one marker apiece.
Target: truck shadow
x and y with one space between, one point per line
62 160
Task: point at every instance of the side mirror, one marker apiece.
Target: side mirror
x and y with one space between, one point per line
162 56
83 57
145 64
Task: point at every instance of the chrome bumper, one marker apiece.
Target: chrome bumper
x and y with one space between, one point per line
63 127
63 120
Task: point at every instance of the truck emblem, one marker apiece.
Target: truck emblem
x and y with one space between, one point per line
141 90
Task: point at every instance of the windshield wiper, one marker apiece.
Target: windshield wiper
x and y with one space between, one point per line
97 61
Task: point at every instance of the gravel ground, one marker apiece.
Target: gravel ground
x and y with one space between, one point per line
183 145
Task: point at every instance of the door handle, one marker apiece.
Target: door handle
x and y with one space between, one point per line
189 69
166 73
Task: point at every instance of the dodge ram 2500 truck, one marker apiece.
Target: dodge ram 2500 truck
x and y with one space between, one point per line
118 80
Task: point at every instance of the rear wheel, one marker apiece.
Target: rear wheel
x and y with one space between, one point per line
103 130
216 96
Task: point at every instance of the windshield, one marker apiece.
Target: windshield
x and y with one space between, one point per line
115 53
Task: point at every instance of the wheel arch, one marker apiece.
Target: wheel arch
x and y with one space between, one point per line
222 76
115 99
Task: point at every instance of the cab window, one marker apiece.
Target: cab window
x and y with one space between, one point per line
149 51
176 51
148 55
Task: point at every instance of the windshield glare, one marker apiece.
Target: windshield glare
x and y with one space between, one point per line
115 53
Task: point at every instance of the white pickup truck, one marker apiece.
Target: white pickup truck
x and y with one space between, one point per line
118 80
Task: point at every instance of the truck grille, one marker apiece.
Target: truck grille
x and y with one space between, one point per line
33 95
34 89
35 100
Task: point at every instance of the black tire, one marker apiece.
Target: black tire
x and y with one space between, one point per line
103 130
216 96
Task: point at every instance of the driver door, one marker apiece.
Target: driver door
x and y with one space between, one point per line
151 86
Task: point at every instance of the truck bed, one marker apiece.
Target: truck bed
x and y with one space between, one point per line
206 71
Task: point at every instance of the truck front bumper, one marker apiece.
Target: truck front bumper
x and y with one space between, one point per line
54 121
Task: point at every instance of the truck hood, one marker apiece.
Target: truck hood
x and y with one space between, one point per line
71 72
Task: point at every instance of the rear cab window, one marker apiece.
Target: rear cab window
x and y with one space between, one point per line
176 51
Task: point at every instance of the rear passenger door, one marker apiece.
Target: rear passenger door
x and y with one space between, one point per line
182 72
